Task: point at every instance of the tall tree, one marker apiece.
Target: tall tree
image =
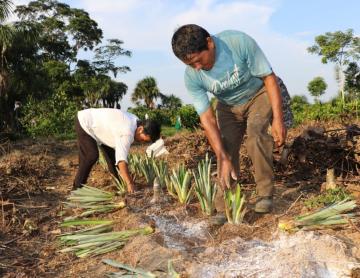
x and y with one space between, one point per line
115 93
340 48
352 83
45 67
7 34
352 80
105 56
146 90
317 87
170 102
63 30
6 38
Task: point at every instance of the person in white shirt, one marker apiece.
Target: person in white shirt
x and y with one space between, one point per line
113 131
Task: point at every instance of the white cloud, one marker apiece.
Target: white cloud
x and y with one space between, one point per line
111 6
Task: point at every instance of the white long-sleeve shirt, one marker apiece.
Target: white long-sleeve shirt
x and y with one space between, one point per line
111 127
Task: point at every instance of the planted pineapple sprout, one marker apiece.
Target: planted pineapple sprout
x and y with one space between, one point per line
328 216
92 200
234 205
94 242
134 165
179 184
170 187
147 169
119 183
205 190
161 171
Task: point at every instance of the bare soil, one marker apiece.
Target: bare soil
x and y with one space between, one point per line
36 177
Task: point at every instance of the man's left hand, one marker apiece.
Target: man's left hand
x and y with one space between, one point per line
278 131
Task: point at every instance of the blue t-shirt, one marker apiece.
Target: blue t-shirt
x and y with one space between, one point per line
236 75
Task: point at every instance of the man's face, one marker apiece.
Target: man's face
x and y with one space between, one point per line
140 136
203 60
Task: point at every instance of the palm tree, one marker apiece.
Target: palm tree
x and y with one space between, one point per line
7 32
146 90
170 102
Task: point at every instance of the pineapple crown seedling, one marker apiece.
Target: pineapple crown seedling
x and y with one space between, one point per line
147 169
328 216
97 240
161 171
134 164
129 271
205 190
179 184
119 183
234 205
92 200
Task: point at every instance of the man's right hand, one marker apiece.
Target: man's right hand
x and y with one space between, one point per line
225 167
226 173
131 188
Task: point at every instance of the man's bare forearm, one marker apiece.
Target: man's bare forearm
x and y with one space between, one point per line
278 129
125 174
225 168
273 91
212 132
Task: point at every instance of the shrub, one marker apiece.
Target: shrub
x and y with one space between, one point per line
331 110
163 116
167 117
53 116
189 117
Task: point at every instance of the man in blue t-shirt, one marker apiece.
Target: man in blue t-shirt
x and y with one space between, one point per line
231 66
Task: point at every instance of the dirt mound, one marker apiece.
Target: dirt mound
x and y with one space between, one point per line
320 149
29 207
22 172
188 148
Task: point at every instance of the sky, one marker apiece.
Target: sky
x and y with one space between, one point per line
283 29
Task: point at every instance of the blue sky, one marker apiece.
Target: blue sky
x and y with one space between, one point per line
282 28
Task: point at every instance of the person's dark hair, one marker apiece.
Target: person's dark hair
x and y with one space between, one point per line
189 39
151 128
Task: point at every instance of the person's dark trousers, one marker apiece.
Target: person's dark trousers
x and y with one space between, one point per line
89 154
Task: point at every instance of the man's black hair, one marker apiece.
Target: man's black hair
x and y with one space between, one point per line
151 128
189 39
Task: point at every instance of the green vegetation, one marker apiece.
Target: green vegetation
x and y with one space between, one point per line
328 216
205 189
234 205
127 270
146 90
332 110
317 87
91 200
179 184
161 171
167 116
93 242
43 72
147 169
328 197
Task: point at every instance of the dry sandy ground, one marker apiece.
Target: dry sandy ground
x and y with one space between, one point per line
36 177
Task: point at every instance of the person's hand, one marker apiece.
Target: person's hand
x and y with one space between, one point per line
278 132
226 173
131 188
